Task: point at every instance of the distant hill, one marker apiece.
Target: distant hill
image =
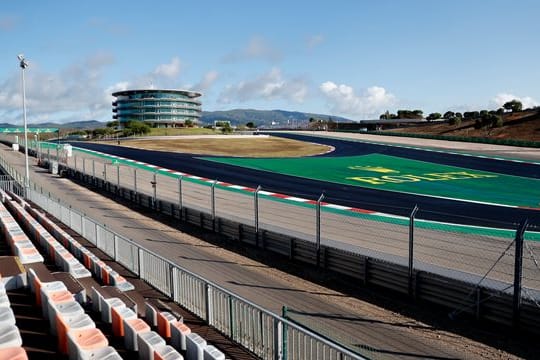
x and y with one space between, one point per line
236 117
264 117
88 124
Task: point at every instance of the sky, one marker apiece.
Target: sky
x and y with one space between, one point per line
350 58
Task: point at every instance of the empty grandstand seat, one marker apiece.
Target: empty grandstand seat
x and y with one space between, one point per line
118 314
164 320
74 322
13 353
9 336
85 342
213 353
148 342
167 352
195 345
179 331
133 327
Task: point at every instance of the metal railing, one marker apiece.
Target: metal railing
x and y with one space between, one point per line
265 334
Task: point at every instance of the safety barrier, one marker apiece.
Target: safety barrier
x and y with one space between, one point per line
258 330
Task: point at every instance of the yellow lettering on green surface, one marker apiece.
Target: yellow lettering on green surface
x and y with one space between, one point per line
399 179
379 169
369 180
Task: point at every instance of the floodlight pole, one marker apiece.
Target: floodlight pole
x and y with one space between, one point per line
23 64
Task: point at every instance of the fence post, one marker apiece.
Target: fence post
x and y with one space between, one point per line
180 205
207 303
117 178
135 182
318 228
518 272
256 210
411 249
154 185
284 338
213 204
105 175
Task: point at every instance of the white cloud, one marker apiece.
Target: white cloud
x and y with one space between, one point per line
268 86
206 82
72 94
344 101
257 48
170 70
500 99
314 40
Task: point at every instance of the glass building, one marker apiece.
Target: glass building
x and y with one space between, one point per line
158 108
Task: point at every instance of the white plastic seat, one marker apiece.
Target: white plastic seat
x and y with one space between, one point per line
195 345
107 305
167 353
9 336
213 353
148 342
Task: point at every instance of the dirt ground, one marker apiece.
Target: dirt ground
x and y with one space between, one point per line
246 146
520 126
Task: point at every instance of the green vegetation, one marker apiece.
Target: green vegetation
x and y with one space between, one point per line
181 131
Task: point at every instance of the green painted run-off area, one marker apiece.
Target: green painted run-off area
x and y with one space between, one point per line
391 173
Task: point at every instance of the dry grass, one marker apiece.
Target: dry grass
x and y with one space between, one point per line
521 126
244 147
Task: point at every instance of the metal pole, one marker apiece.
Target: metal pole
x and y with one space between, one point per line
318 223
411 248
180 205
154 184
26 168
94 171
135 181
213 199
256 209
117 177
518 272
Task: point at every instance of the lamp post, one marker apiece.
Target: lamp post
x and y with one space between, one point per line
23 64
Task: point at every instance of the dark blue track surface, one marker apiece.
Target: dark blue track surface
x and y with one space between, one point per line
377 200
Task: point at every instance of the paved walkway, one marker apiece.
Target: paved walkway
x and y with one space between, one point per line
354 321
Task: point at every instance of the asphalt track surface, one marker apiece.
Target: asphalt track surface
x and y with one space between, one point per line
431 208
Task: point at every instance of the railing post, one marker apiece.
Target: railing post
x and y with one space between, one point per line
518 272
84 168
117 178
180 205
171 282
105 174
94 172
154 185
256 210
318 228
411 250
135 182
213 204
74 162
282 354
207 303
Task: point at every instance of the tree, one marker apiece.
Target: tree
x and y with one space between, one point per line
433 116
250 125
454 120
112 124
514 105
226 128
188 123
448 115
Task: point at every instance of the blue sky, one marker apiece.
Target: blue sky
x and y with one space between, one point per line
348 58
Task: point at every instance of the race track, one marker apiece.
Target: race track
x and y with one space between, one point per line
431 208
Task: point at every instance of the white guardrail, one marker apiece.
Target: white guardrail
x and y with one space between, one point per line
267 335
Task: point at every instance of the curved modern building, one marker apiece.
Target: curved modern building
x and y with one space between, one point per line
158 108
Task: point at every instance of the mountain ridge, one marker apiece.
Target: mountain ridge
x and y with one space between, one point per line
234 116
